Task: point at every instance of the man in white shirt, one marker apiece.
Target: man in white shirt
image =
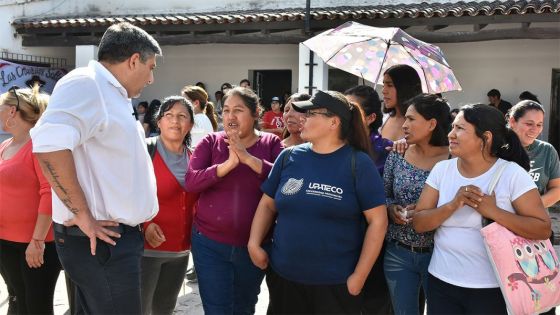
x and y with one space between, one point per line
92 151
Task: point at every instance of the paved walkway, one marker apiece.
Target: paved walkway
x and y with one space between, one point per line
187 303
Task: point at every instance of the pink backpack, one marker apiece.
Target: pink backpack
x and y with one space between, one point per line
527 270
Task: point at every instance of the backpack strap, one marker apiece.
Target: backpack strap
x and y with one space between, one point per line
353 164
286 156
151 145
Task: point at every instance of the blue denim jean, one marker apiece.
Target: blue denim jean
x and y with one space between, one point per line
109 282
228 281
405 272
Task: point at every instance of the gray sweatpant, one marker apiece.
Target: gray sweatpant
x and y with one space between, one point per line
161 282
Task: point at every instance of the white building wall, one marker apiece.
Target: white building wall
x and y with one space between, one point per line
511 66
214 64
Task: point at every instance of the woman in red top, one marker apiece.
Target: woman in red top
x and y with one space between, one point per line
28 260
167 235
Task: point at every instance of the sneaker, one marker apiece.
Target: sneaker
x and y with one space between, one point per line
191 275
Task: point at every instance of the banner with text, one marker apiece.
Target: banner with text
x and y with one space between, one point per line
24 75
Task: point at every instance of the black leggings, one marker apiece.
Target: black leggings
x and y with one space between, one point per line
445 298
31 289
288 297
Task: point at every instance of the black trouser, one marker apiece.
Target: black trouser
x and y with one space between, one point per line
376 297
288 297
445 298
109 282
31 289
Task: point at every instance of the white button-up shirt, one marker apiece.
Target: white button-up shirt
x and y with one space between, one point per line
90 114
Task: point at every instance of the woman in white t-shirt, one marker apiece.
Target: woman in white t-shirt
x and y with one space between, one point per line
205 121
455 200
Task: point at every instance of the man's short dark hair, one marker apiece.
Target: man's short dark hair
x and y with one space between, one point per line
494 93
123 40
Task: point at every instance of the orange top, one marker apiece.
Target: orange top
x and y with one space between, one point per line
24 193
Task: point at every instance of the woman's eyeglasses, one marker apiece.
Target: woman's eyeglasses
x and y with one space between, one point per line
311 114
14 90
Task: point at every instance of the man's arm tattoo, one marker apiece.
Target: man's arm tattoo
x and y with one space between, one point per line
58 186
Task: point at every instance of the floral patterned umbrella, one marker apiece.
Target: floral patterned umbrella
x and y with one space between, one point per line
367 51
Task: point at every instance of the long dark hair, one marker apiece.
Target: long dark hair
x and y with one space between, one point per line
369 102
150 117
505 143
407 83
431 106
168 103
353 131
526 95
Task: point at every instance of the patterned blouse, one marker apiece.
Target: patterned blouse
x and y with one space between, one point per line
403 185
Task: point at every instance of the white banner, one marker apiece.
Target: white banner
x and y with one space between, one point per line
23 75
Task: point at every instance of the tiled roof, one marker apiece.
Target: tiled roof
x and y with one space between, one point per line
397 11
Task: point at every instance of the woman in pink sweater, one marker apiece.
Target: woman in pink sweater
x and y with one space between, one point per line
227 169
28 260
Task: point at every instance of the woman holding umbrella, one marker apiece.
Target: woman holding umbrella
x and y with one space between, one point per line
400 83
408 253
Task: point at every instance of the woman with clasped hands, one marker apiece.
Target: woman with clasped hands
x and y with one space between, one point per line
455 200
227 169
329 205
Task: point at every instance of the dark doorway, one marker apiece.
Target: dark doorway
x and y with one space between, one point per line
554 122
270 83
341 81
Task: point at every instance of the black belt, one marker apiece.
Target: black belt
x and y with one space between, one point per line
414 249
74 230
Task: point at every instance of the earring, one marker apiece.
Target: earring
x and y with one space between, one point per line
8 122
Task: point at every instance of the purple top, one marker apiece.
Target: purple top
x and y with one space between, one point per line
378 144
226 205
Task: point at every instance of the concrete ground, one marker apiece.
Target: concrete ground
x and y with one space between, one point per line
187 303
189 298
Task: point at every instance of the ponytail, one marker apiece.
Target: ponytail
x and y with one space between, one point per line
505 143
355 132
512 150
211 114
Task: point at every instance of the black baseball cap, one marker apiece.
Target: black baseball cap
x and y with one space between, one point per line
325 99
